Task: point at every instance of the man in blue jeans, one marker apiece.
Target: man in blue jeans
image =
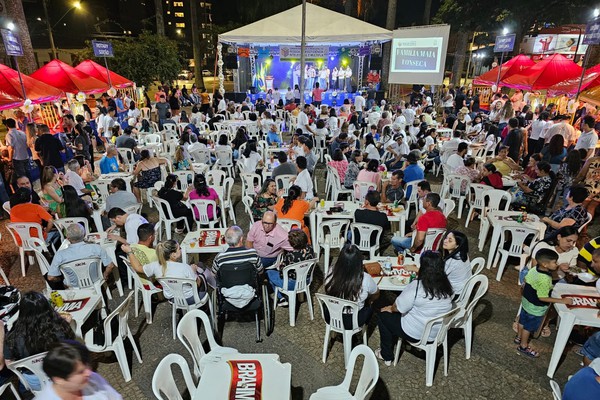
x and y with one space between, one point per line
16 142
268 238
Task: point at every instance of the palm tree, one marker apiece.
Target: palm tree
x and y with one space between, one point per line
160 21
390 24
14 11
427 12
198 78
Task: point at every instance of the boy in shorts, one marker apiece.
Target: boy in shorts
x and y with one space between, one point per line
536 298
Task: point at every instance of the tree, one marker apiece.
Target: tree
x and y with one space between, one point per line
14 10
387 47
198 79
427 12
160 21
148 58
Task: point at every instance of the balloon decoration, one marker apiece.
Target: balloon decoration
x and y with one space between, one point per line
494 88
112 92
80 97
27 106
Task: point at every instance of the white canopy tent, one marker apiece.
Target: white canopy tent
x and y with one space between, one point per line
323 26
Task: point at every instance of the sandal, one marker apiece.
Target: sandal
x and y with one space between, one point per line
380 357
528 351
517 340
546 332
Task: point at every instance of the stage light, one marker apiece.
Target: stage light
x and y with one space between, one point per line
268 61
332 58
344 62
505 31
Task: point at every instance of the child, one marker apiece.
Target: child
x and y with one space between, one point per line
536 296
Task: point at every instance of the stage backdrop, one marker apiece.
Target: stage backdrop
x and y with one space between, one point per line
419 55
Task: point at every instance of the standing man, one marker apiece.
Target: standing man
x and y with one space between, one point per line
359 105
49 149
16 141
303 122
341 78
334 77
348 75
268 238
370 96
317 95
303 179
162 108
105 124
589 137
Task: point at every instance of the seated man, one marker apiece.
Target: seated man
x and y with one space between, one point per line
585 384
370 215
399 149
592 267
432 218
24 182
143 252
73 178
131 223
268 239
392 191
236 255
119 196
109 163
78 250
23 210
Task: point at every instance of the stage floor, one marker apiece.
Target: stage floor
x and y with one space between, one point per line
328 97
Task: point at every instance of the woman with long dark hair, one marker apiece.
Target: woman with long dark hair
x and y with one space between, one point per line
73 205
293 207
370 174
204 192
455 250
174 197
265 200
51 189
429 296
348 280
555 152
253 160
37 330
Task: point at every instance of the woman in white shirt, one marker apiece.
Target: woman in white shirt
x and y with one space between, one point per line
429 296
371 151
537 133
252 160
332 121
455 250
347 280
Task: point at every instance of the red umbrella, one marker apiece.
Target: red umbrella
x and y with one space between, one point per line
7 101
511 67
99 72
68 79
591 78
36 91
544 74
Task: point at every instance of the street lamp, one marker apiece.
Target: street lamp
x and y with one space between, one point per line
75 5
505 31
596 12
10 26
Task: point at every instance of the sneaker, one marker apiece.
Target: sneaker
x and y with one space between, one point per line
528 351
282 302
379 356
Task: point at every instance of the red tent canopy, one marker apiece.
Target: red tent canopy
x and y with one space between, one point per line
544 74
591 78
68 79
511 67
99 72
36 91
8 101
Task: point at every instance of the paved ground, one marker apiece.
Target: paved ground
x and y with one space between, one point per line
495 370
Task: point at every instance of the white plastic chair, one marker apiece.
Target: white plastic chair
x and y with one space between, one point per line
133 209
336 184
10 386
518 237
414 197
447 206
492 199
127 156
248 201
166 217
38 246
215 177
556 393
201 206
455 190
164 386
304 271
369 376
331 235
224 193
430 348
284 182
188 333
224 159
22 231
153 138
84 271
184 179
363 239
336 307
249 182
116 345
589 219
201 156
62 224
6 206
475 200
146 290
432 240
179 300
32 364
170 127
288 224
477 265
362 188
467 302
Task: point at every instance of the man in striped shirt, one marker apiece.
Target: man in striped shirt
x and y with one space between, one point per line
236 254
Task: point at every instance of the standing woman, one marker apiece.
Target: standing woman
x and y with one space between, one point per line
429 296
348 280
504 115
147 171
174 103
31 132
296 94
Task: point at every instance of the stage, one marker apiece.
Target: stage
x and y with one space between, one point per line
328 97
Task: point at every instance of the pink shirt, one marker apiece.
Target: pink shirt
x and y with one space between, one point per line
268 245
341 167
368 176
212 196
317 94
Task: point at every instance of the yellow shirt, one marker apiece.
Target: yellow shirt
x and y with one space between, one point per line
145 255
502 167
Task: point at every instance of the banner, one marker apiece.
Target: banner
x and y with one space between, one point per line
102 49
246 380
582 301
310 52
12 43
592 32
419 55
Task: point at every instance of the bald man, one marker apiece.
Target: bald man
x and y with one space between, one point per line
268 239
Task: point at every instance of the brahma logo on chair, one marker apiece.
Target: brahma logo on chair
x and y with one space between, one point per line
246 380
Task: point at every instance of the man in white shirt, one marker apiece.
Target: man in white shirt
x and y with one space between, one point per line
450 147
73 178
409 114
359 105
457 159
303 122
348 85
334 77
276 96
303 179
589 138
561 127
398 148
538 129
289 96
222 105
105 124
341 78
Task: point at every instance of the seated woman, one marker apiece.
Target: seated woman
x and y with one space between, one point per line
503 163
168 265
370 174
429 296
75 206
147 171
354 168
572 214
535 190
340 164
52 195
203 192
348 280
530 174
293 207
181 162
253 160
491 177
302 251
38 329
174 197
555 152
265 200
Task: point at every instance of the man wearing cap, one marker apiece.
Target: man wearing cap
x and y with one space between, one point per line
561 127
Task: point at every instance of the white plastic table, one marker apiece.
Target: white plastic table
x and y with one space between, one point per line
190 245
237 376
80 307
392 282
97 238
498 220
569 317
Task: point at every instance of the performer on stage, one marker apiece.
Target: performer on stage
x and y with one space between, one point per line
341 78
312 74
322 77
327 74
348 75
334 78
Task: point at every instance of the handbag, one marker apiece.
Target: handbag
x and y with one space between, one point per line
373 268
99 335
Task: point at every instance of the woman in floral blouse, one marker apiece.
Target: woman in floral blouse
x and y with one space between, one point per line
536 189
353 169
265 200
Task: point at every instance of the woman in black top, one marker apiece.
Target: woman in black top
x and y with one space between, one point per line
174 197
74 206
